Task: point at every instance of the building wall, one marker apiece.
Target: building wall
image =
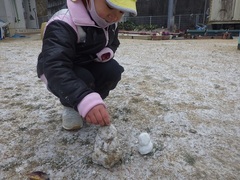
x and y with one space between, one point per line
20 14
30 14
222 11
2 11
236 15
12 13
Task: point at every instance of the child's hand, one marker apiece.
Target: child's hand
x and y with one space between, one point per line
105 56
98 115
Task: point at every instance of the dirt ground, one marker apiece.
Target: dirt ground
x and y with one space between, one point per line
184 93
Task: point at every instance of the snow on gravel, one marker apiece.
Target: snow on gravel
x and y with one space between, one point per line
184 93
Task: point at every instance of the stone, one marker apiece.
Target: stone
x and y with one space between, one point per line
145 144
107 151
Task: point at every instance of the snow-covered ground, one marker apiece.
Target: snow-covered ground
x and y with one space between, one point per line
184 93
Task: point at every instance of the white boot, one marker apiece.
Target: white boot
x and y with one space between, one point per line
71 119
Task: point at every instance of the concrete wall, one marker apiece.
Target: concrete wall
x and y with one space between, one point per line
222 11
236 15
20 14
11 11
30 14
2 11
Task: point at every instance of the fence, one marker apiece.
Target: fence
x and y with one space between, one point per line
181 22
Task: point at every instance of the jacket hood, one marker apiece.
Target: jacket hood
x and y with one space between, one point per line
79 13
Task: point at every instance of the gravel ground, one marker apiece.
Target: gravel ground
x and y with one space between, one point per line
184 93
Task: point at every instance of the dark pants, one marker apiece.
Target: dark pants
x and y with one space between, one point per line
100 77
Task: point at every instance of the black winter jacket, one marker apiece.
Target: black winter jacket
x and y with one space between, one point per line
61 52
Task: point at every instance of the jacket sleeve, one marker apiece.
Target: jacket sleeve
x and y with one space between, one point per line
58 51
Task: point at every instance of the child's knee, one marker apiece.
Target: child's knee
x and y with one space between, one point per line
115 72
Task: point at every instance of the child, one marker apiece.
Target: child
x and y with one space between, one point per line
76 62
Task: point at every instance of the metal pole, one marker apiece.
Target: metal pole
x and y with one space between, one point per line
239 41
170 15
179 22
204 13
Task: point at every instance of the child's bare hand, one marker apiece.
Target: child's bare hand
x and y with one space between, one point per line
98 115
105 56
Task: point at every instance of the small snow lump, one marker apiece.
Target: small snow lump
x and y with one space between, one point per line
145 145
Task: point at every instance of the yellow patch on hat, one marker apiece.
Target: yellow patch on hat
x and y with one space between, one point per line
124 5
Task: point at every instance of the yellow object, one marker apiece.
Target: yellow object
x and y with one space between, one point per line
43 25
124 5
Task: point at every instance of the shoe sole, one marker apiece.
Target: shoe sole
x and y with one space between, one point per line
72 128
